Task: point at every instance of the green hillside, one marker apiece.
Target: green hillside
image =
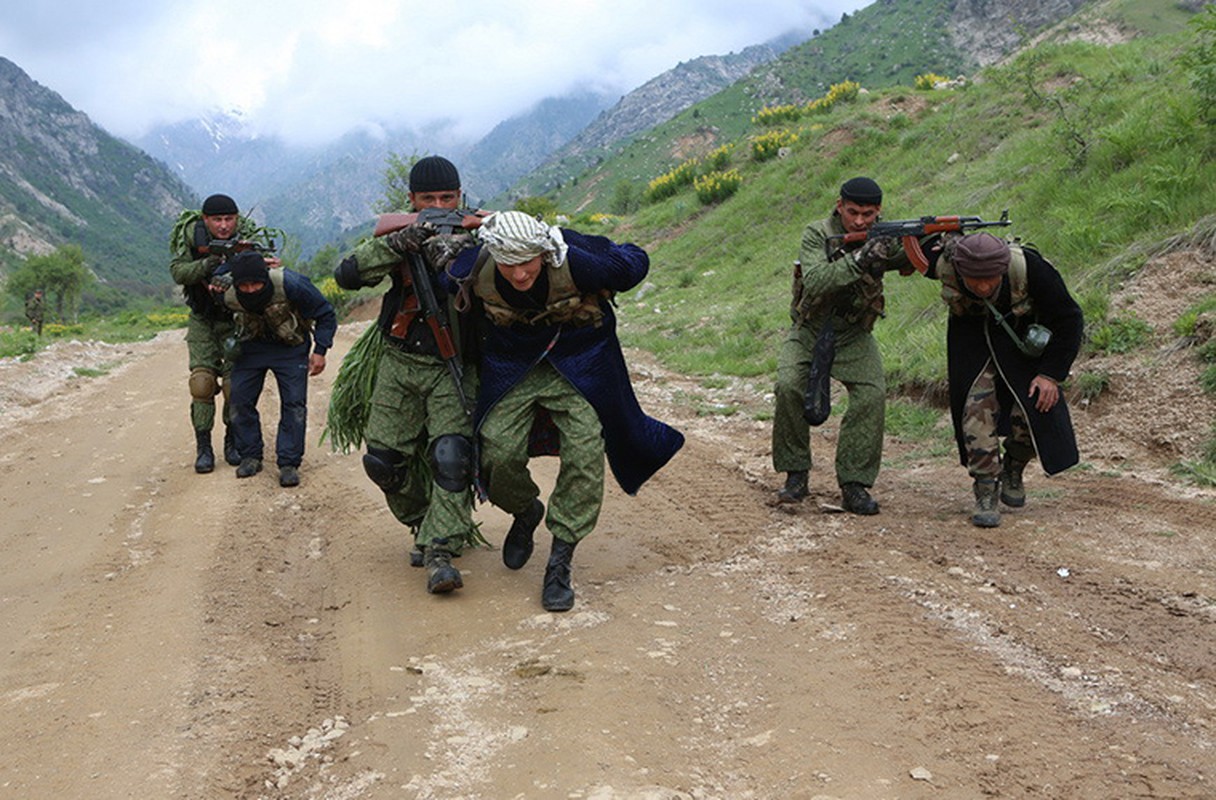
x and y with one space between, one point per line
1100 153
884 44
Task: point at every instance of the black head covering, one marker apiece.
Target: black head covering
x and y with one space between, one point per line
863 191
218 204
250 267
433 174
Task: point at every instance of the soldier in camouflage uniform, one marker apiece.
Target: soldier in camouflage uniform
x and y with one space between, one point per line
1000 386
419 436
33 311
845 292
209 325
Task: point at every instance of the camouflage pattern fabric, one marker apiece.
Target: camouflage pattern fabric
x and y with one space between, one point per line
979 424
205 345
415 402
858 366
578 494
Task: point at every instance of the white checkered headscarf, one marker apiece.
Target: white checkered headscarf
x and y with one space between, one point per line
514 237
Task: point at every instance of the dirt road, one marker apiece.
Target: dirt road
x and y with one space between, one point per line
173 635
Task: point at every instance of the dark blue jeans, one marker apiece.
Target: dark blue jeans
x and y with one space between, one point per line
290 368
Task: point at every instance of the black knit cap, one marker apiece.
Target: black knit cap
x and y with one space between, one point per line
218 204
434 174
248 267
863 191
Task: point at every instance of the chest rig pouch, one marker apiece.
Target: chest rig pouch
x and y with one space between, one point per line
279 321
564 304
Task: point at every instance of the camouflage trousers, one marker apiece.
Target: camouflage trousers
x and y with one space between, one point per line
205 344
578 494
981 410
858 365
414 402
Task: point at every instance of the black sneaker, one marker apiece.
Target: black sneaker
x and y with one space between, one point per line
249 467
289 476
857 500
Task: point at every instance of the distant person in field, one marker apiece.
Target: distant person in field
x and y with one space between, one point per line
277 313
554 382
199 243
34 309
1013 333
836 296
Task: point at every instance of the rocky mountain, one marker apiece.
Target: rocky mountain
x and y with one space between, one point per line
325 192
65 180
651 104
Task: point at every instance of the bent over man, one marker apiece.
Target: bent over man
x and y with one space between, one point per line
554 381
275 312
1004 368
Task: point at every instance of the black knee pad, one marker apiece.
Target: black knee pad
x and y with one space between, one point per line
452 462
385 467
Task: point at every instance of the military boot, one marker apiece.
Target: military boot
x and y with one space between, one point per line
517 547
231 454
557 593
204 461
856 499
441 576
987 512
1013 493
795 487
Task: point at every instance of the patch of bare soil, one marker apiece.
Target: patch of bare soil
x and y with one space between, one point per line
177 635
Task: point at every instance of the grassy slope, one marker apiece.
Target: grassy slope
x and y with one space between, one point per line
1011 140
881 45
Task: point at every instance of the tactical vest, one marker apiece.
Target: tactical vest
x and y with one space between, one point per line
565 304
278 321
961 303
860 303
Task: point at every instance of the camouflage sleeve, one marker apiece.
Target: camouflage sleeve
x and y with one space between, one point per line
188 270
373 259
820 277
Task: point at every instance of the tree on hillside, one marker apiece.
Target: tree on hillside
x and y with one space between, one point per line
539 206
397 183
62 275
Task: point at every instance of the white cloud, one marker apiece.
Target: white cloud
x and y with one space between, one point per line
311 70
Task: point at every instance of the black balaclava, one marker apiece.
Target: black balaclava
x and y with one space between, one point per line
250 267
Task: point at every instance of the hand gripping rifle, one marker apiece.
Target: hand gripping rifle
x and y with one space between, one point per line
230 247
445 221
910 231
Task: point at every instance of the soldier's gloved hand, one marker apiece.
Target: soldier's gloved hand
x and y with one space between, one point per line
410 238
221 283
879 255
442 249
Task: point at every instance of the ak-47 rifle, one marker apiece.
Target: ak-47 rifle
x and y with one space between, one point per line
230 247
445 221
910 231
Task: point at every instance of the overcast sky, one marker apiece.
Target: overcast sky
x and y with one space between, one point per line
310 70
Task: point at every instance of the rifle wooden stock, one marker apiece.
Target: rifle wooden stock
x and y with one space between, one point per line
395 221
